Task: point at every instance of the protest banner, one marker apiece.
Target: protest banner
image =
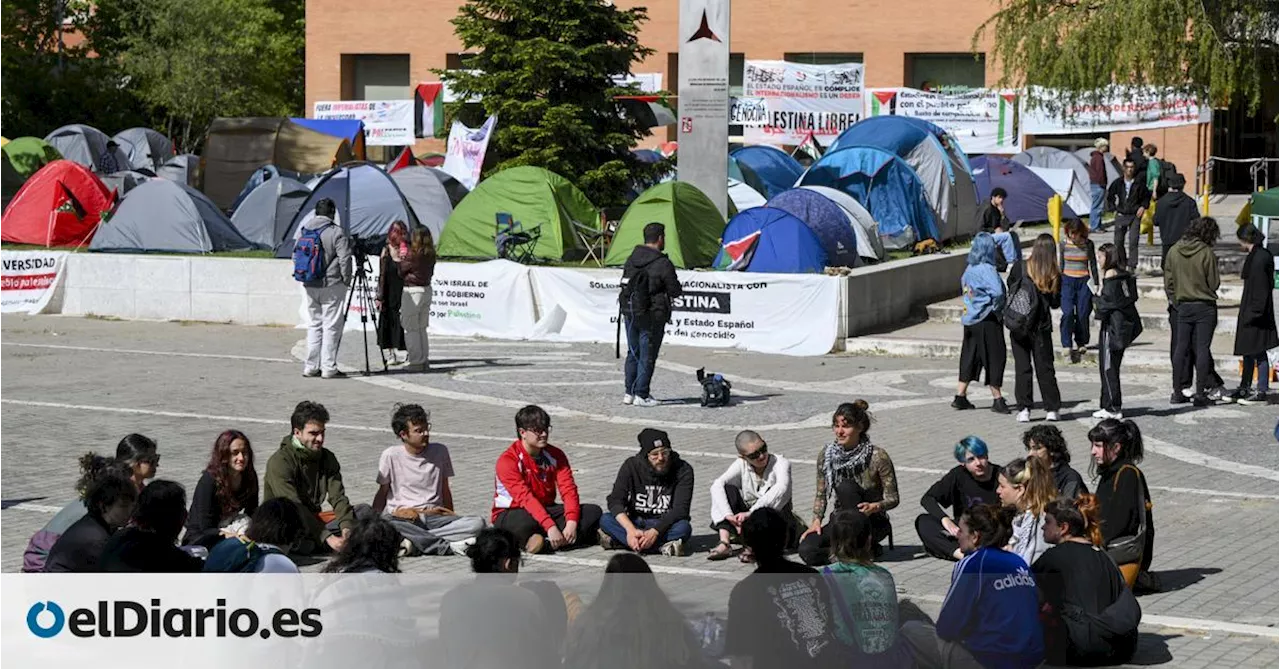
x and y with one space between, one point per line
386 122
982 120
801 99
1119 109
29 279
465 154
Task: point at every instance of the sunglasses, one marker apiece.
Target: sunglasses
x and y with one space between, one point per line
535 430
757 454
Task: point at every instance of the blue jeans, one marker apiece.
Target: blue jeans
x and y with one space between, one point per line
1077 307
1099 195
680 531
643 342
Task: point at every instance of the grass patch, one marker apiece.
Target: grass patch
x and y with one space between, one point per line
257 253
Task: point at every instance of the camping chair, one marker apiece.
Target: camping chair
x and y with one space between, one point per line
513 242
592 239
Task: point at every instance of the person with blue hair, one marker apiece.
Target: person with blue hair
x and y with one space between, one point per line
968 484
984 346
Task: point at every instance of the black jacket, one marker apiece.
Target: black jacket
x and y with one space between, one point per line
1175 211
1139 196
205 517
1116 308
663 283
641 492
1119 509
958 490
990 218
1047 303
140 551
80 547
1069 482
1256 324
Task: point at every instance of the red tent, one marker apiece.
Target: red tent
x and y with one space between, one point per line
60 205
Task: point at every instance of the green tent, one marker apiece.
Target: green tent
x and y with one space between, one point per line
535 198
19 159
1267 203
693 225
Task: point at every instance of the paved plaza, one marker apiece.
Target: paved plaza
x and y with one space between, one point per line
72 385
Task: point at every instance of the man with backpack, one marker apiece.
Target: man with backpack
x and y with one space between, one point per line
649 283
322 262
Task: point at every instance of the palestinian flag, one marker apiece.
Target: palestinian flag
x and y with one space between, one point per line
736 255
884 102
810 146
1007 120
428 107
405 159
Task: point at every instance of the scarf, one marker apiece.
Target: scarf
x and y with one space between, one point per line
837 460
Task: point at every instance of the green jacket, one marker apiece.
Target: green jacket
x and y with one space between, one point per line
308 478
1191 273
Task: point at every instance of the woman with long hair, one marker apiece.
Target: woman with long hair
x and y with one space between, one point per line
374 546
226 495
1120 325
416 269
390 289
983 346
1035 346
1128 534
1256 321
1090 617
858 474
863 595
1026 486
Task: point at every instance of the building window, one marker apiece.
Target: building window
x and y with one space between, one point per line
376 77
457 61
934 71
818 58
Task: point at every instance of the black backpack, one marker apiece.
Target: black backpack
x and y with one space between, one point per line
635 299
1167 170
715 389
1020 309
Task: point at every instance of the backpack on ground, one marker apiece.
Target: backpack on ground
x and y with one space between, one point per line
715 389
308 255
1020 309
635 298
237 555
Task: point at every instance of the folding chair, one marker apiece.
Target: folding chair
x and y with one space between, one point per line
592 239
513 241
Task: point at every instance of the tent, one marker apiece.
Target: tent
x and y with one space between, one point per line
1048 156
767 169
1028 194
19 159
58 206
1114 168
1075 198
432 159
146 148
868 233
161 215
535 198
830 223
368 201
124 181
427 196
235 147
947 183
85 145
885 185
183 168
693 225
268 172
783 244
744 197
351 130
456 189
264 217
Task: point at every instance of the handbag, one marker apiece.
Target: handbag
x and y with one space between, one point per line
1129 550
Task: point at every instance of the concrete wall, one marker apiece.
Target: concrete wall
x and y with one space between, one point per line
878 297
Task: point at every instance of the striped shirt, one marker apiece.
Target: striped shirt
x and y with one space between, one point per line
1076 259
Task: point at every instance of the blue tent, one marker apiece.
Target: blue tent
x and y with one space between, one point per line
885 185
785 246
767 169
830 223
647 155
1029 195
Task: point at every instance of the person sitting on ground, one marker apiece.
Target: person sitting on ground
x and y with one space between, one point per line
970 483
780 614
275 529
990 617
983 347
374 546
135 452
226 495
413 488
148 544
649 504
529 474
307 473
858 474
863 595
631 624
992 216
1128 534
1027 487
1047 443
1090 617
756 479
108 506
1256 320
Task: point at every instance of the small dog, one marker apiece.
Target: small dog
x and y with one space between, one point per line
715 389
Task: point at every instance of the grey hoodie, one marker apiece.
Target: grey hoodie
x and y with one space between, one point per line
337 246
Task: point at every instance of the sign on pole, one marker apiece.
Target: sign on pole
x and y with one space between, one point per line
704 98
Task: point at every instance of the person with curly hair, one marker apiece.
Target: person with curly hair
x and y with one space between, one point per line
1047 443
374 546
226 495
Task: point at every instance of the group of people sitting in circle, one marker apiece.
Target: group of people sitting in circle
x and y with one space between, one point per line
1058 565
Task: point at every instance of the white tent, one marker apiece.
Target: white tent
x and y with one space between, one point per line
743 196
1063 182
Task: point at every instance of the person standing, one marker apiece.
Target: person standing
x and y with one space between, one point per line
1120 326
756 479
1154 166
1191 279
649 284
649 504
107 160
1079 263
992 216
1034 347
1137 155
983 347
1098 182
325 279
416 268
1256 321
1129 197
1175 210
390 288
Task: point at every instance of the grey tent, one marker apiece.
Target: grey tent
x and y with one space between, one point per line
146 148
124 181
264 216
427 197
1048 156
367 199
161 215
183 168
1114 169
85 145
455 188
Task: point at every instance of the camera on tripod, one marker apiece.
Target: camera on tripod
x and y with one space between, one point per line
361 293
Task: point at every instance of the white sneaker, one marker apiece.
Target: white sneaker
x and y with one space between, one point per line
628 399
1188 392
460 547
645 402
1103 414
1216 394
1051 416
1024 416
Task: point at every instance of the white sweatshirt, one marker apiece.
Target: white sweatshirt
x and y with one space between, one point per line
772 490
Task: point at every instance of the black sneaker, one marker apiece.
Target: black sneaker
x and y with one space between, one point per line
1178 398
1075 355
962 403
1201 400
1000 406
1243 392
1255 397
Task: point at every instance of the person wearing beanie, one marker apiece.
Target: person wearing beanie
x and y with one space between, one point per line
649 505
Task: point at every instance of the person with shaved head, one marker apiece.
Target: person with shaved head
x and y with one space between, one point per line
756 479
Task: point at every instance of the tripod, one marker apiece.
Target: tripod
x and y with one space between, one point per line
360 293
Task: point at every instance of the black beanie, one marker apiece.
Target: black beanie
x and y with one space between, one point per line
650 439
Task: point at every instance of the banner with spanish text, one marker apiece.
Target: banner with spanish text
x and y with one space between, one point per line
983 120
465 156
1119 109
29 279
386 122
799 100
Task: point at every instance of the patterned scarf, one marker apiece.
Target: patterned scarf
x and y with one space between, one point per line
840 461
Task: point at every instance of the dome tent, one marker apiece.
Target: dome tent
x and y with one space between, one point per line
124 181
427 196
19 159
868 231
767 169
830 223
1028 194
368 201
58 206
183 168
161 215
264 217
765 239
1075 197
693 225
1054 158
145 148
885 185
85 145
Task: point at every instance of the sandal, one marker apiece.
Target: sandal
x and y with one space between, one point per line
722 551
746 556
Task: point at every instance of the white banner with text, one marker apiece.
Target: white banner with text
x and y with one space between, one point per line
386 122
29 279
983 120
799 99
1118 110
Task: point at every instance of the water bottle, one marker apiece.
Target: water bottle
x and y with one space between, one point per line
708 630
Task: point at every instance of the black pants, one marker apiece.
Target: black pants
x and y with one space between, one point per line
1038 350
1262 364
1109 360
1183 369
815 550
521 524
1126 230
935 539
1194 334
738 505
983 349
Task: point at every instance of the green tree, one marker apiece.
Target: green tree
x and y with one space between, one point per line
1219 50
547 70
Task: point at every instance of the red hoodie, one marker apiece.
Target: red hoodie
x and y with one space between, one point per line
522 483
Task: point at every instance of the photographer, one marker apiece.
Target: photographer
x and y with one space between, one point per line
416 265
326 293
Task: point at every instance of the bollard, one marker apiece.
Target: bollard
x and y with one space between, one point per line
1204 200
1055 217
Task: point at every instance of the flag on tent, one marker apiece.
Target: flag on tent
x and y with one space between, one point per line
738 253
428 106
405 159
810 146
